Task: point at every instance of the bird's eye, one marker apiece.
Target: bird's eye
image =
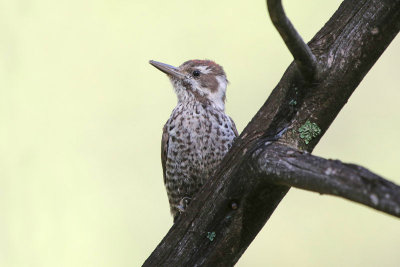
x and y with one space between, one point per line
196 73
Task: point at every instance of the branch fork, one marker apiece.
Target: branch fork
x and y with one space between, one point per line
262 165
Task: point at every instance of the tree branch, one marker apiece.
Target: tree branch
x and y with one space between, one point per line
279 164
233 205
304 58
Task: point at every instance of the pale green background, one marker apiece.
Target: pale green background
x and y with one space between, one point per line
81 113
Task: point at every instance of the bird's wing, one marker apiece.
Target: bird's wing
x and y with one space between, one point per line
164 149
234 127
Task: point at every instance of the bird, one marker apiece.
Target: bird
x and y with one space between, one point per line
198 133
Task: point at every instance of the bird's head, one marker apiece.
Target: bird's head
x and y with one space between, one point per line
201 80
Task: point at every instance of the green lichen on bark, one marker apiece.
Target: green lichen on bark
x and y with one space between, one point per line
211 236
308 131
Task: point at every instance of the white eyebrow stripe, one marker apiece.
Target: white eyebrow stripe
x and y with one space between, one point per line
203 69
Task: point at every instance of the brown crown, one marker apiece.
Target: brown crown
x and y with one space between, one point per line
214 67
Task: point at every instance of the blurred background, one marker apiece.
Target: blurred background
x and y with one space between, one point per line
82 111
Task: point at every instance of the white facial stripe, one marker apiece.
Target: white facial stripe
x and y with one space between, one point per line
218 96
204 69
222 81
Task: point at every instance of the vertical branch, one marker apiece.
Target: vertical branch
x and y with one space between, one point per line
304 58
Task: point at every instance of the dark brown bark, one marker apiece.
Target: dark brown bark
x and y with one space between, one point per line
229 211
304 58
278 164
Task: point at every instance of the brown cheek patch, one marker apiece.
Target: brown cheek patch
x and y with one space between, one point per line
209 82
200 98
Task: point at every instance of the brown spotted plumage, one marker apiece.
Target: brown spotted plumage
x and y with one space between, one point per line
198 133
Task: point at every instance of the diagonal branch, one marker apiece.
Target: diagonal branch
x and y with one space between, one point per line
279 164
304 58
234 206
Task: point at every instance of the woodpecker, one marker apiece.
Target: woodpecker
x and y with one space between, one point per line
198 133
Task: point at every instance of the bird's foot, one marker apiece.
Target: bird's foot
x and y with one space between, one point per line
183 204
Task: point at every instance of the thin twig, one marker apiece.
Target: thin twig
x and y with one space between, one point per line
304 58
279 164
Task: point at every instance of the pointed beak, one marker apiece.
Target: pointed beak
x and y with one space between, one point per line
167 69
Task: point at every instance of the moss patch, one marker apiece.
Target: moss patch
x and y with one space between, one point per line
308 131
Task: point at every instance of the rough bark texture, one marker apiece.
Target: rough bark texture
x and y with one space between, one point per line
233 206
278 164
